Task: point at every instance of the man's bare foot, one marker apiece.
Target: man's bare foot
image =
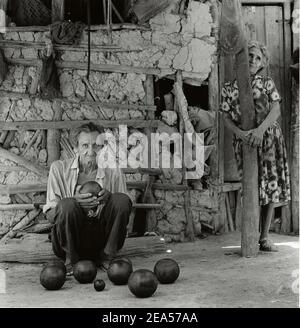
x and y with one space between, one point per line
69 267
104 261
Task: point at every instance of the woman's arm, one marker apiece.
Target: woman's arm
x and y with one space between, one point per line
244 135
271 117
256 135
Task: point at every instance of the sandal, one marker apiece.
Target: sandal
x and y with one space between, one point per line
265 245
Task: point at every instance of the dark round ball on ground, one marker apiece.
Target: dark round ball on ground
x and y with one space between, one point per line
126 259
85 271
166 271
90 187
57 263
119 271
52 277
99 285
142 283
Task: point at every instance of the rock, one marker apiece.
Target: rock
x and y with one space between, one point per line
15 150
29 53
26 36
136 114
43 156
4 199
121 114
89 112
159 194
5 104
66 84
77 56
169 117
18 74
28 136
44 109
80 88
12 178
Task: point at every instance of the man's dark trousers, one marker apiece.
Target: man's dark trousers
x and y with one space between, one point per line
81 238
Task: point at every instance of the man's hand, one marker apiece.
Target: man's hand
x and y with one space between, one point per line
85 200
103 196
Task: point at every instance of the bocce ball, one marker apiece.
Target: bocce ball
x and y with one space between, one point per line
166 271
126 259
52 277
85 271
119 271
99 285
57 263
90 187
142 283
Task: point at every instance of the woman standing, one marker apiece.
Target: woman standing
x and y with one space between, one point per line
273 171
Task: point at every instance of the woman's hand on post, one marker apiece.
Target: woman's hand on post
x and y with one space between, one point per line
243 135
255 137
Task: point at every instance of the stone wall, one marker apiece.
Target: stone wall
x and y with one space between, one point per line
173 42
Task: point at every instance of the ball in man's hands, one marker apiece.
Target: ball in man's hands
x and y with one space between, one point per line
90 187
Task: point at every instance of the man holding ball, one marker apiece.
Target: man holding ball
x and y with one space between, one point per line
87 225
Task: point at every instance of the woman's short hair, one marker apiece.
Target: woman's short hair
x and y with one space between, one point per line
87 128
263 49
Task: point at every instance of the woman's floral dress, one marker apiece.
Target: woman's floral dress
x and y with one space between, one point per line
273 171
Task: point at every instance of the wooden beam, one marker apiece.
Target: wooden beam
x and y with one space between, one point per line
20 188
265 2
182 126
45 125
23 162
95 67
58 10
151 220
20 225
213 103
27 207
113 68
125 26
143 171
156 185
120 18
53 136
104 105
250 222
230 186
146 9
41 45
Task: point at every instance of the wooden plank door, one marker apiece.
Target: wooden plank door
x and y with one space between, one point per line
269 24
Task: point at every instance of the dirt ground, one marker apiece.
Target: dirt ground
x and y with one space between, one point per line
213 274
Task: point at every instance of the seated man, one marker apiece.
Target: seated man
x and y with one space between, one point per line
75 234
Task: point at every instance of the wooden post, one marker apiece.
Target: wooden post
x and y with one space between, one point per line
295 130
295 158
58 10
234 31
213 102
53 136
250 221
148 194
187 197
